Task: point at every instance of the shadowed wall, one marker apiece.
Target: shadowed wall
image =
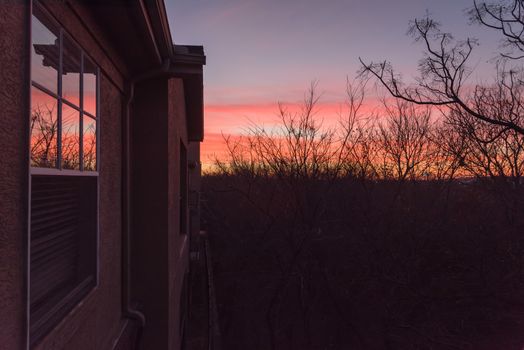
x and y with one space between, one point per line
159 257
13 171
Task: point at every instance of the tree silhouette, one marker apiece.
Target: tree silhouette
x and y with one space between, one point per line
44 129
44 135
444 71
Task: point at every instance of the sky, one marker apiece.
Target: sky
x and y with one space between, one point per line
260 52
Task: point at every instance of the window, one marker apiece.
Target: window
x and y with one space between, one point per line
183 189
64 101
64 175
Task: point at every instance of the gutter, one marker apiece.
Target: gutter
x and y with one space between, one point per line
129 310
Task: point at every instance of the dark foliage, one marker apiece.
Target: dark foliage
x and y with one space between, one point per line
362 264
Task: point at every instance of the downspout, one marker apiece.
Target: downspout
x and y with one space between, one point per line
29 43
129 311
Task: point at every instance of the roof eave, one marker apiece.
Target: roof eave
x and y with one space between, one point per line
154 12
187 63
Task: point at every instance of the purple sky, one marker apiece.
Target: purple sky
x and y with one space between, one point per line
263 51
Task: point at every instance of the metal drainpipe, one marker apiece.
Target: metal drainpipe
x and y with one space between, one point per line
129 310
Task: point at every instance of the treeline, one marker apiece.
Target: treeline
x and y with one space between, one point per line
404 141
400 229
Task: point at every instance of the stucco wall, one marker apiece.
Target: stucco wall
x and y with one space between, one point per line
178 243
13 171
97 321
161 261
195 178
149 215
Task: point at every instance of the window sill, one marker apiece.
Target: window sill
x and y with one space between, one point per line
65 172
76 297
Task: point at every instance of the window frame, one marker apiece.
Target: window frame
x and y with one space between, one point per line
35 10
58 169
183 189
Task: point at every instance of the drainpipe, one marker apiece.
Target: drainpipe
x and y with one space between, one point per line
129 311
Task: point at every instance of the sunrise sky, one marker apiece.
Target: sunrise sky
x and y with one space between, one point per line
263 51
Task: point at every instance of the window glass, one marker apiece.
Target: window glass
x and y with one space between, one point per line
90 73
53 52
70 138
63 248
44 129
89 144
45 55
71 72
183 189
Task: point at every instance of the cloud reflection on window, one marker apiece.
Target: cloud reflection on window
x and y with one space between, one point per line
44 129
45 55
71 72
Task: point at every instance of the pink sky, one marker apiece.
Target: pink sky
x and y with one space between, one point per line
260 52
223 120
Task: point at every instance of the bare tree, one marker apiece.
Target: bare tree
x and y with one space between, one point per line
358 129
449 149
488 151
89 147
70 147
299 147
443 75
405 141
301 158
507 17
44 129
44 136
365 151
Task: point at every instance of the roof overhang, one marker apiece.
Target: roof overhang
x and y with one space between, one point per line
142 37
139 30
187 63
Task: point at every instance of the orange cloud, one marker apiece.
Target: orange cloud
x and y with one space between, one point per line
235 118
214 147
